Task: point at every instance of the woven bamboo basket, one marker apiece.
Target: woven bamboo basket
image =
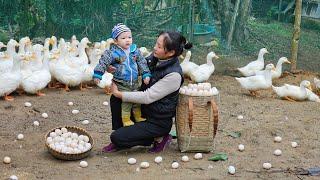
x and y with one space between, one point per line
69 157
196 123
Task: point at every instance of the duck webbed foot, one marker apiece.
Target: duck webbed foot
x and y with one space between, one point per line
289 99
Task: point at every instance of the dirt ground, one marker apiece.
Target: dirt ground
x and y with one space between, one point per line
264 118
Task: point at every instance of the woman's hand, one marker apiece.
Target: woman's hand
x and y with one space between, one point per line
96 80
115 91
146 80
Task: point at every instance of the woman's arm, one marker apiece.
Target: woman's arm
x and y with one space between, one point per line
165 86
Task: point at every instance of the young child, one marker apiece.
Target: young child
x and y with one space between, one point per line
129 64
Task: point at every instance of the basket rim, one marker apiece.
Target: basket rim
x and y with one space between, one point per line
64 154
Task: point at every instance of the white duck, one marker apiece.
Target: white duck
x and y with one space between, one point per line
145 52
106 82
293 93
65 71
88 68
82 59
204 71
257 82
254 66
40 78
10 81
278 71
74 46
7 63
317 85
188 66
312 96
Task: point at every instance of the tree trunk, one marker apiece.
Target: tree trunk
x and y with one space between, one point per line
224 7
279 9
241 33
296 35
232 23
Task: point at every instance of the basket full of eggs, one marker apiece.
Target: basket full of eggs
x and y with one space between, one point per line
197 117
68 143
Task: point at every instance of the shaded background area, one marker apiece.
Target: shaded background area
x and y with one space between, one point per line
253 24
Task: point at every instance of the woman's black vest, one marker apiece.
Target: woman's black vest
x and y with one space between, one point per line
166 107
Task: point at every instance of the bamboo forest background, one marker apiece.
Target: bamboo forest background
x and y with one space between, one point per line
235 29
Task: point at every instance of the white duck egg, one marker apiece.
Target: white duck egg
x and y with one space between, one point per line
190 86
277 139
65 135
7 160
231 169
75 111
266 165
44 115
132 161
83 164
58 148
80 137
85 122
88 146
53 134
294 144
158 159
185 158
277 152
241 147
85 138
81 143
70 103
240 117
175 165
36 123
27 104
73 145
198 156
49 140
77 151
201 93
105 103
64 130
20 136
13 177
144 165
182 91
74 136
58 131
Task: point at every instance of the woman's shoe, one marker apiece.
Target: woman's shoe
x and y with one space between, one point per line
160 146
109 148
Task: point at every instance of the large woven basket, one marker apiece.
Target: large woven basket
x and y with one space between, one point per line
196 123
69 157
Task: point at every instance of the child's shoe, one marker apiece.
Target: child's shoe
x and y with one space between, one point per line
160 146
109 148
126 121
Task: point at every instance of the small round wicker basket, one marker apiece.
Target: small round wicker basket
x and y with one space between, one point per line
69 157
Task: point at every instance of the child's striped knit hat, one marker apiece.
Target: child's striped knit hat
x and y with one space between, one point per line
118 29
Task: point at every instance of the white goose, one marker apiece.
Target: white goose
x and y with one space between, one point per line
258 82
293 93
254 66
9 81
187 66
278 71
204 71
38 79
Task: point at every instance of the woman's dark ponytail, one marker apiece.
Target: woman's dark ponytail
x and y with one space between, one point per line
175 41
